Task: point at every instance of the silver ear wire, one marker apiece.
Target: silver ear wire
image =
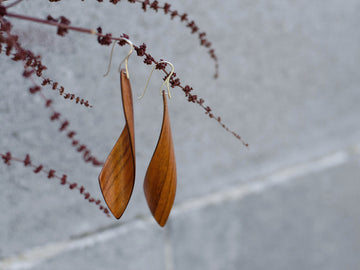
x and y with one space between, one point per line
125 59
167 80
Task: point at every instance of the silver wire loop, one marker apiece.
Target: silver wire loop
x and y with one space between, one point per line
167 80
125 59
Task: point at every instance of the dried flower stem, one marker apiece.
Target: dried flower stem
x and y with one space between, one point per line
7 158
60 25
37 67
55 86
81 148
106 39
166 7
32 63
14 4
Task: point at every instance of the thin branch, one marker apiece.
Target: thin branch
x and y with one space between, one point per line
106 39
14 4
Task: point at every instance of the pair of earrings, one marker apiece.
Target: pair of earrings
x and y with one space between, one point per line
117 176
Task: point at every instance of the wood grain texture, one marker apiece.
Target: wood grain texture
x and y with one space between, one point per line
117 177
160 178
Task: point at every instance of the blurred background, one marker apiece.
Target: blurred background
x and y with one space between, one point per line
288 84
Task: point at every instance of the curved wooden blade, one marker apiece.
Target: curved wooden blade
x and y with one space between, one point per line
117 177
160 178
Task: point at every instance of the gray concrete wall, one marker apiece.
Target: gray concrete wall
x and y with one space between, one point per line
289 84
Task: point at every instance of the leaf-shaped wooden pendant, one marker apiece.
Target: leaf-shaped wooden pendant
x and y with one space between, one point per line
160 178
117 177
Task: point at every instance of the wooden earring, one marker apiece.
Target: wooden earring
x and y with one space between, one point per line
160 178
117 177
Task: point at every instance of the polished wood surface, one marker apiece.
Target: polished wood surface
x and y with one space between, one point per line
160 178
118 174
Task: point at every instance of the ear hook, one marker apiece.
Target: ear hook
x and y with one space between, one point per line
166 81
125 59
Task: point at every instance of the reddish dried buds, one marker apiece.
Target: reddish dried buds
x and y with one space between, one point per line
2 10
7 158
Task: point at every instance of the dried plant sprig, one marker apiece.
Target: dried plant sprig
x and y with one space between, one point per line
32 62
13 4
166 7
64 128
51 174
55 86
175 82
105 39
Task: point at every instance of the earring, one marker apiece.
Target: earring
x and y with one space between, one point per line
117 176
160 178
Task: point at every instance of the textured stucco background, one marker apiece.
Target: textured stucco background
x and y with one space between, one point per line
289 85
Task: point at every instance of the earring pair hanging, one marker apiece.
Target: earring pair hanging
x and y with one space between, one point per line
117 177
